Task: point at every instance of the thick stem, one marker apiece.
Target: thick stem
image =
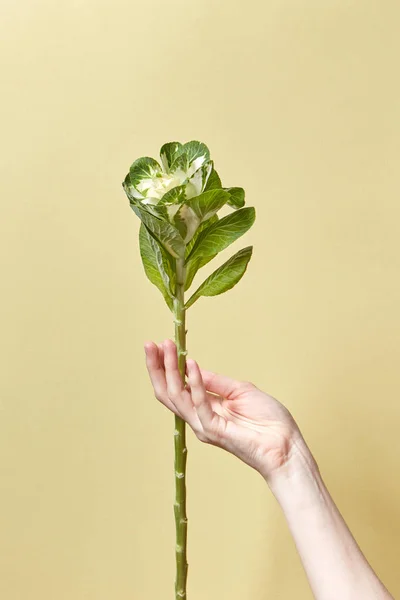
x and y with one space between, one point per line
180 441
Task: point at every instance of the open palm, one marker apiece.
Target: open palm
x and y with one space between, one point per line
231 414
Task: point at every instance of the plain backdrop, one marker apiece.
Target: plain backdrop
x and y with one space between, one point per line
299 104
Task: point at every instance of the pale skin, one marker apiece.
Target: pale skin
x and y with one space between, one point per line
252 425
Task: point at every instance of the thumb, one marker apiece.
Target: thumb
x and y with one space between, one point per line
220 384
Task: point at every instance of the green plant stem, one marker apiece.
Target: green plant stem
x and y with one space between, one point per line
180 440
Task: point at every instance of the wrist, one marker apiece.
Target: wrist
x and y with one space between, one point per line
298 476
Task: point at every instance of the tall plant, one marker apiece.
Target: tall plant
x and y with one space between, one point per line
177 201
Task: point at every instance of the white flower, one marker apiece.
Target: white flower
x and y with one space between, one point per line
181 164
184 168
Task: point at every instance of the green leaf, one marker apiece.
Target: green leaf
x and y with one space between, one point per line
208 203
185 221
143 169
216 238
175 195
237 197
180 162
196 183
225 277
168 204
158 265
213 181
201 228
164 233
196 150
130 191
168 153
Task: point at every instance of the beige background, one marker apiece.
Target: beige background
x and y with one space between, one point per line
299 104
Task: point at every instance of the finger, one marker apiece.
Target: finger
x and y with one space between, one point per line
157 375
199 394
178 393
220 384
172 374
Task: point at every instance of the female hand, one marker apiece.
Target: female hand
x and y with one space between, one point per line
234 415
239 417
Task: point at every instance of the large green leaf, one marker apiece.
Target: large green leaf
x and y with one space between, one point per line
158 265
164 233
168 153
236 197
216 238
208 203
225 277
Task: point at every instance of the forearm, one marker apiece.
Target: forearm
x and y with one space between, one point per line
334 563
